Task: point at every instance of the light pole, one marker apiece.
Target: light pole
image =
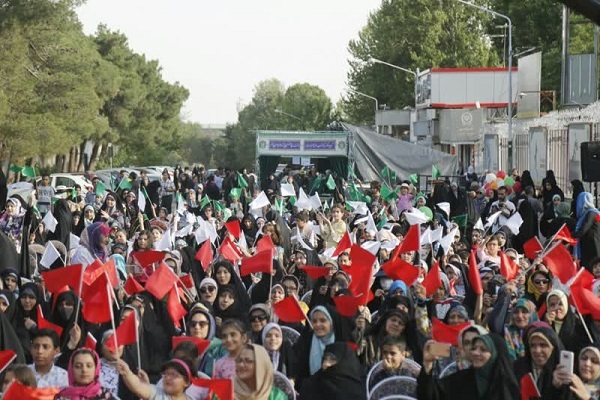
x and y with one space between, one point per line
369 97
510 98
414 73
291 116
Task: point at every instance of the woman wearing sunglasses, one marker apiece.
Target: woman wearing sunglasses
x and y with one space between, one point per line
201 324
208 290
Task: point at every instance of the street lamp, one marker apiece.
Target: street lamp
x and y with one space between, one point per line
365 95
415 74
510 55
290 115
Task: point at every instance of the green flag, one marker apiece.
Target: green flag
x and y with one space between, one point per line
125 184
15 168
382 221
388 173
461 220
218 206
354 193
414 179
351 173
325 206
316 184
145 193
279 205
292 200
386 193
28 172
204 202
235 193
435 172
100 189
73 193
330 183
241 181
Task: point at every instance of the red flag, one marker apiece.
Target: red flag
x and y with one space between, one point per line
474 277
161 281
261 262
126 333
132 286
174 308
222 388
43 323
266 243
542 311
586 301
187 281
440 332
583 278
401 270
90 342
234 228
205 254
528 388
344 244
361 273
289 310
95 269
229 250
412 240
348 305
201 344
559 261
58 278
532 247
360 258
353 346
433 280
18 391
148 257
508 268
6 357
97 301
565 234
315 272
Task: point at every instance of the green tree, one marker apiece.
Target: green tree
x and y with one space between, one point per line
412 34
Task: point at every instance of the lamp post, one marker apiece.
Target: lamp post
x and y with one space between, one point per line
291 116
510 55
414 73
369 97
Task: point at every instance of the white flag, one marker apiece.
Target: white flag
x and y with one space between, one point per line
298 238
261 201
492 219
514 223
315 201
50 255
303 202
164 244
479 225
426 237
141 200
242 242
287 190
445 207
436 234
186 230
358 207
50 222
371 227
371 246
447 240
73 241
416 216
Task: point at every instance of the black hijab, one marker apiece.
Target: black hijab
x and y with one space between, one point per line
60 318
234 311
344 380
236 282
18 321
64 217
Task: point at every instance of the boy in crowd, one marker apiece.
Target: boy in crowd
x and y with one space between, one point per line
45 347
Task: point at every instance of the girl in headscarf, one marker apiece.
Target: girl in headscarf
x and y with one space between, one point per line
491 372
84 378
64 217
576 189
327 327
254 376
279 350
587 230
227 305
522 314
225 274
11 222
550 188
63 315
87 218
539 284
586 384
24 320
201 324
340 376
567 325
112 210
542 355
92 244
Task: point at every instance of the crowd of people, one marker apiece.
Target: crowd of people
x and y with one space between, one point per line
310 287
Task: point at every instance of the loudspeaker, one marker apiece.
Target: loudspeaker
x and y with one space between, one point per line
590 161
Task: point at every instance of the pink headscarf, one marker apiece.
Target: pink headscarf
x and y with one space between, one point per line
92 390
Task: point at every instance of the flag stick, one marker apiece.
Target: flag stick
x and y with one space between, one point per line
78 307
112 321
137 341
585 326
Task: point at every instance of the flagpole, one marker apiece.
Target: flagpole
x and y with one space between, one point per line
137 342
112 322
78 307
585 325
549 243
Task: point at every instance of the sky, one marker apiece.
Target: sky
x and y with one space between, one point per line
219 50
